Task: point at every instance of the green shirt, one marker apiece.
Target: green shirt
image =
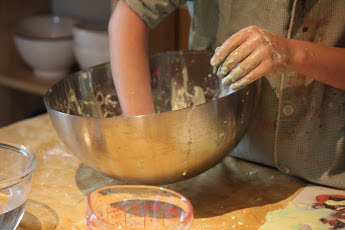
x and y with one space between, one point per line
311 130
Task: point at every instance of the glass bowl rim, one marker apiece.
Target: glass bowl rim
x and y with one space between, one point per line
24 151
188 218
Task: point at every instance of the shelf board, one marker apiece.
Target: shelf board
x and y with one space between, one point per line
25 80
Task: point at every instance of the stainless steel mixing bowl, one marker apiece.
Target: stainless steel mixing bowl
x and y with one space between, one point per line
166 147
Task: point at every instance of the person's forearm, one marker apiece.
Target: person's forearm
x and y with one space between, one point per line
129 61
322 63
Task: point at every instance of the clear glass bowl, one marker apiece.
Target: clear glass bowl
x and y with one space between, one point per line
138 207
17 164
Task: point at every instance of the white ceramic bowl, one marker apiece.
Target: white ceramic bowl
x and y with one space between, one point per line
90 44
87 58
45 43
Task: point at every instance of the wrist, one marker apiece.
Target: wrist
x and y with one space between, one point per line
299 53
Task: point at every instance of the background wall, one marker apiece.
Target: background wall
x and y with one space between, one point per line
88 10
16 105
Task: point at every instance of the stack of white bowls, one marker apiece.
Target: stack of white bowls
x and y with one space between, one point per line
90 44
45 43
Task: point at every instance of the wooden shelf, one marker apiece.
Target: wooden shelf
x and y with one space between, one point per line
13 74
171 34
25 80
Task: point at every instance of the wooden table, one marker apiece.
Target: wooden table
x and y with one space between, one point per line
235 194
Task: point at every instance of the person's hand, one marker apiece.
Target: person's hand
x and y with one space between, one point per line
249 55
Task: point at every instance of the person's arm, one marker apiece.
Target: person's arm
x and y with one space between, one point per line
128 36
322 63
253 53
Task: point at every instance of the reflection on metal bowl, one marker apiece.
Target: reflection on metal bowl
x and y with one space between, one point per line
166 147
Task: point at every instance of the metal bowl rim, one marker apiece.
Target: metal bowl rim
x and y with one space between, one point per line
77 74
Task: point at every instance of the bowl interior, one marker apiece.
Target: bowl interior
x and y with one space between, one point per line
45 26
91 27
178 82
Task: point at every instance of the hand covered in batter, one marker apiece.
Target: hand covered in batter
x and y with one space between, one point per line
249 55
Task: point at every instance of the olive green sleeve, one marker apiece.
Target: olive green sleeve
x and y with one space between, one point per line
152 12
